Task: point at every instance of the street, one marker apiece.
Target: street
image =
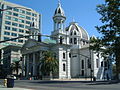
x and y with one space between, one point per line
66 85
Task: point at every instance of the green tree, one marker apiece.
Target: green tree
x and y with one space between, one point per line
16 66
48 64
110 30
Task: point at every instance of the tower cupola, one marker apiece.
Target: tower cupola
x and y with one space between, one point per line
59 18
34 30
59 10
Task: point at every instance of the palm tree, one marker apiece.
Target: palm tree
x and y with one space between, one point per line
16 66
48 64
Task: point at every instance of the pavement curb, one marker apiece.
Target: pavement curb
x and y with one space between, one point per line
14 88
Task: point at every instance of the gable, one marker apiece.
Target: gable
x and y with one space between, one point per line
30 43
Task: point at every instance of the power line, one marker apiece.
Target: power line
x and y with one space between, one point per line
27 36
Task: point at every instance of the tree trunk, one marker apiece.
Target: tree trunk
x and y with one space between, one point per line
17 71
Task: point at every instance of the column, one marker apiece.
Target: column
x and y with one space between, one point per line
67 65
34 71
27 71
23 65
54 26
57 26
61 25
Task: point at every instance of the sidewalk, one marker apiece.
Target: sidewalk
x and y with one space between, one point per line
73 79
14 88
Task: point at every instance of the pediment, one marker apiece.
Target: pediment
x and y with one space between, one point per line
30 43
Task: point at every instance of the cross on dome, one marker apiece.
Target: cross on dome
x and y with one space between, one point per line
73 20
59 4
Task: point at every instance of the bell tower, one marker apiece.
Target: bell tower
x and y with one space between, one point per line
34 31
59 24
59 18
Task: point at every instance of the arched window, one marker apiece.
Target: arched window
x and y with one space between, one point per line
83 42
75 33
75 40
63 55
59 11
89 63
63 66
82 72
71 40
71 33
82 64
69 55
61 39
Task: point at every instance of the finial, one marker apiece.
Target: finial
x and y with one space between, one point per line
59 4
73 20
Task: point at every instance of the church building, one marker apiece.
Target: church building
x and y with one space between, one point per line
76 60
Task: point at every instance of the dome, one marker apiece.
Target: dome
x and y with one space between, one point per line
59 10
81 32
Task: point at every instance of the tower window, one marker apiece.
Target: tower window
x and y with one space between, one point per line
70 40
61 40
75 33
75 40
59 11
83 42
71 33
64 67
63 55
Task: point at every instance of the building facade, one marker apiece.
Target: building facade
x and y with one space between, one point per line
11 55
15 21
71 48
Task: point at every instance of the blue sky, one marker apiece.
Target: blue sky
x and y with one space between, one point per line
83 12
